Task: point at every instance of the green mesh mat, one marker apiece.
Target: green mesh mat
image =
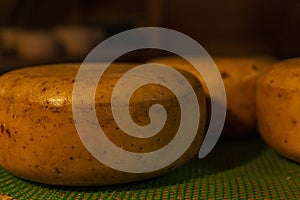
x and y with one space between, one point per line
235 169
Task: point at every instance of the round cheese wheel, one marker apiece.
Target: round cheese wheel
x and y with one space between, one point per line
8 37
36 45
239 75
77 41
39 138
278 101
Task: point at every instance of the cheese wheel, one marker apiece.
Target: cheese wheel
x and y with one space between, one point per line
38 135
8 37
78 41
239 75
278 103
36 45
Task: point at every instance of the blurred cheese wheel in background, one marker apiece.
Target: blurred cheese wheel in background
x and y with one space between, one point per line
36 45
239 75
8 36
77 41
181 64
178 63
278 103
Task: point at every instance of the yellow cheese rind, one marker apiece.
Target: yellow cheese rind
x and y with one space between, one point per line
39 141
239 75
278 103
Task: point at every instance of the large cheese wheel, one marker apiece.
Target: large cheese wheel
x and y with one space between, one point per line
39 141
278 103
239 75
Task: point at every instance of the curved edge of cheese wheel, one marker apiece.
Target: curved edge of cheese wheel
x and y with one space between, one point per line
239 75
40 143
278 98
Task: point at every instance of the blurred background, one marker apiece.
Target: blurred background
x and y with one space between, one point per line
38 32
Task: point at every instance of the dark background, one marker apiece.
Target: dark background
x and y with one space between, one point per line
223 27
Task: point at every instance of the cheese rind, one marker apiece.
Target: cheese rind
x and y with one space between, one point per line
39 141
239 76
278 101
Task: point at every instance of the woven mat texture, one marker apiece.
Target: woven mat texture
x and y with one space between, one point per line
236 169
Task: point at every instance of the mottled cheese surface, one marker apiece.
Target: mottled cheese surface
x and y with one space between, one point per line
39 141
239 75
278 103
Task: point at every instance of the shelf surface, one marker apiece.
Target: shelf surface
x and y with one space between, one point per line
243 168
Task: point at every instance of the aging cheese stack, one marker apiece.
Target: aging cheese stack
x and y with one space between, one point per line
38 138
